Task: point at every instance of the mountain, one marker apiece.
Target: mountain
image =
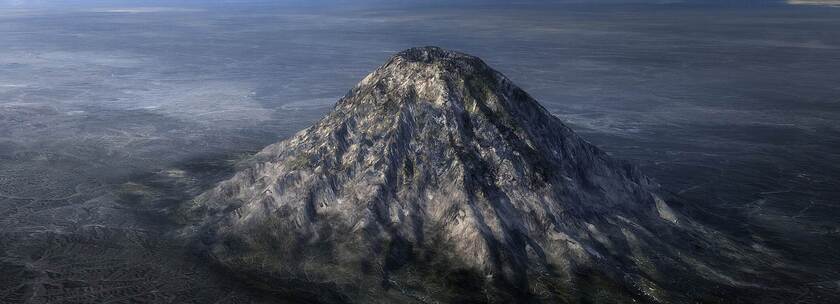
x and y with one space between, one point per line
436 179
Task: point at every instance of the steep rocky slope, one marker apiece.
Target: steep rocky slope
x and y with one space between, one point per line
436 179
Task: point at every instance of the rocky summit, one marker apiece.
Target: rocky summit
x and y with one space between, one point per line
436 179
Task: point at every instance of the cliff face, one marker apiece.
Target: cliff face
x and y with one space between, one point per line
437 179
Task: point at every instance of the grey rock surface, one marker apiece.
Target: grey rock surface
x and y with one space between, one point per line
436 179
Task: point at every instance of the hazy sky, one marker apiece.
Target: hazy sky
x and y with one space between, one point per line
392 3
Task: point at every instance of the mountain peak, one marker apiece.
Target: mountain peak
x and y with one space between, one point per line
438 76
430 54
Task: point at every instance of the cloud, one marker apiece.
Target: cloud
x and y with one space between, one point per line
834 3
